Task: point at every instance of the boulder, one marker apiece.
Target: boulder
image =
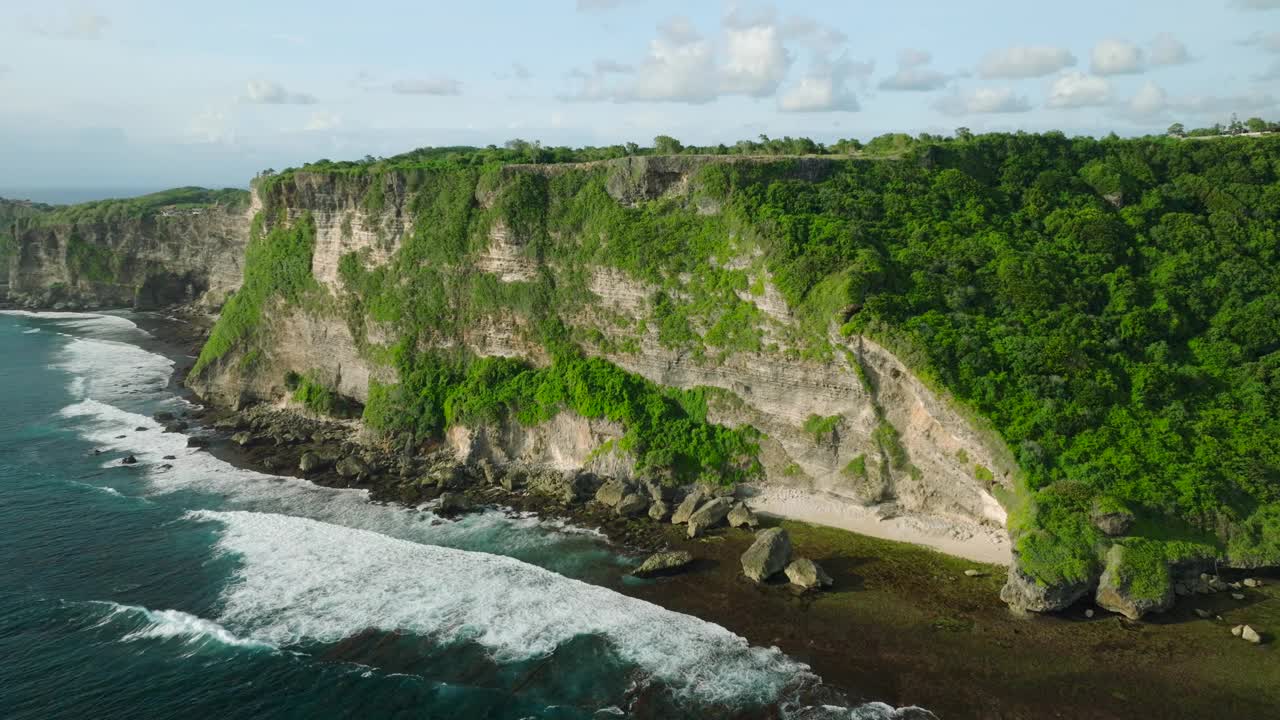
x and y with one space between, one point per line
768 555
612 492
686 508
243 438
141 429
1088 613
176 426
710 514
567 487
632 505
513 479
453 477
128 460
452 503
663 563
169 457
352 467
1237 596
164 417
741 516
1023 593
659 510
974 573
197 442
1251 582
1202 613
655 489
1115 590
807 574
1248 634
311 462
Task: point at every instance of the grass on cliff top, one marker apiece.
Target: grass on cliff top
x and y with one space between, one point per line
119 210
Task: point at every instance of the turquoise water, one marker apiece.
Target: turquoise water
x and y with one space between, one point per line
203 590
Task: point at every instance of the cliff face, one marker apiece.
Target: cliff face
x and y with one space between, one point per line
191 255
840 415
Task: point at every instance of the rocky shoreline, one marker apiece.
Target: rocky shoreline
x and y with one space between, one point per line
895 623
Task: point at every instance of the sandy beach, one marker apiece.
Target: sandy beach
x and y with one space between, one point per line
953 536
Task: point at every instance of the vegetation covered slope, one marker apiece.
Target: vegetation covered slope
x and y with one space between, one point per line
12 211
1112 307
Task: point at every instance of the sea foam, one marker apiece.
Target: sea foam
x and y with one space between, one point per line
170 624
303 580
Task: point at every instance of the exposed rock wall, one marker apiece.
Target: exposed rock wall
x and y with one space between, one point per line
932 467
143 262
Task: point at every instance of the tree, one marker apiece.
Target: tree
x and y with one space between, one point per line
667 145
964 133
1177 130
1256 124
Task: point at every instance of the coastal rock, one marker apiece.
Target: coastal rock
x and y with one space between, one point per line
1248 634
659 510
452 477
632 505
169 457
164 417
655 489
513 479
686 508
974 573
612 492
807 574
243 438
1251 582
311 462
741 516
352 467
128 460
1237 630
1202 613
453 503
710 514
1237 596
1022 593
176 426
663 563
768 555
567 487
1115 589
197 442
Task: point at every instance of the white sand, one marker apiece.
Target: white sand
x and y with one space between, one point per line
957 537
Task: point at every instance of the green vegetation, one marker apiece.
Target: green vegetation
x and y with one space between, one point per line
821 428
88 261
318 397
1109 306
857 467
11 213
277 265
177 199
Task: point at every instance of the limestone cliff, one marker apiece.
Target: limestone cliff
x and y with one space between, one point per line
840 415
160 256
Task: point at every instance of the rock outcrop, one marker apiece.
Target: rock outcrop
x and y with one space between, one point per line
1022 593
768 555
1116 591
663 563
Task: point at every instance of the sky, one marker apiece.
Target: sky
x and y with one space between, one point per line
153 94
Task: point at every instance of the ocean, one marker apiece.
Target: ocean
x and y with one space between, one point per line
188 587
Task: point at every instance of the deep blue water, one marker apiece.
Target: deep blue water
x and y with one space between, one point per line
203 590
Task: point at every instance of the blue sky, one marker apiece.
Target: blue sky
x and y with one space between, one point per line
143 93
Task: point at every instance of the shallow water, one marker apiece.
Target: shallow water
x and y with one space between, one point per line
202 589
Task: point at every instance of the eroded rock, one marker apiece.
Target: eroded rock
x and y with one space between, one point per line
741 516
1023 593
708 515
1116 589
807 574
768 555
659 510
632 505
663 563
686 508
612 492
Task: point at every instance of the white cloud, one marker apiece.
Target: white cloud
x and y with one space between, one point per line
812 33
681 67
427 86
1116 57
913 73
1151 99
265 92
603 66
756 63
78 25
1256 4
323 120
824 88
1270 74
1269 41
1025 62
211 127
1168 50
1077 90
983 100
